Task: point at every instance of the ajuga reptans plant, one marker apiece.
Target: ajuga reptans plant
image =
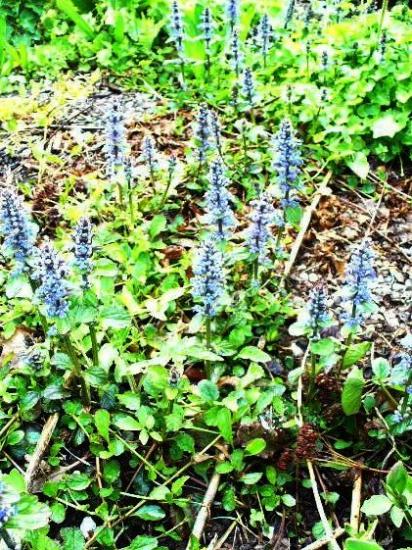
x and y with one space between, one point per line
218 200
83 249
359 278
287 162
51 273
208 280
18 231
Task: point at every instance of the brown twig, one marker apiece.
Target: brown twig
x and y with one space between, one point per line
305 224
41 447
204 510
356 502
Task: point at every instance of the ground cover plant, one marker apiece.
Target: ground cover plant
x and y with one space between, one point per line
206 293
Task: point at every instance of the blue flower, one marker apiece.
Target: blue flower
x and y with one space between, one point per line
177 26
53 289
218 200
402 370
115 142
259 234
289 13
235 54
287 162
149 153
216 130
233 13
318 308
6 513
324 60
19 233
207 28
171 166
248 87
83 248
360 275
264 36
203 133
208 280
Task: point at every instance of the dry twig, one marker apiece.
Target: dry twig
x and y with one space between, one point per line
41 446
356 502
305 224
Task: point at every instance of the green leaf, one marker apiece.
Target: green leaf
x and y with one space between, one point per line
376 505
58 512
71 11
255 446
397 478
126 422
150 512
72 538
251 478
355 353
143 542
381 368
352 391
397 516
385 126
224 424
323 347
157 225
288 500
102 421
114 317
355 544
78 481
208 390
360 165
254 354
229 500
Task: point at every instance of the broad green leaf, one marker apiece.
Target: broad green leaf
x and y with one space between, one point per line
355 353
352 391
254 354
323 347
397 478
397 516
385 126
143 542
72 538
376 505
359 165
288 500
251 478
102 421
381 368
150 512
208 390
355 544
255 446
71 11
126 422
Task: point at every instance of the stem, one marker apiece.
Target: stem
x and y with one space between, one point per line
208 333
77 370
182 70
95 348
405 400
120 190
255 270
166 191
383 12
207 67
349 338
131 206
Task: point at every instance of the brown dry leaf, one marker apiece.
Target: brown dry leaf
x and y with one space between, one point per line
16 347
